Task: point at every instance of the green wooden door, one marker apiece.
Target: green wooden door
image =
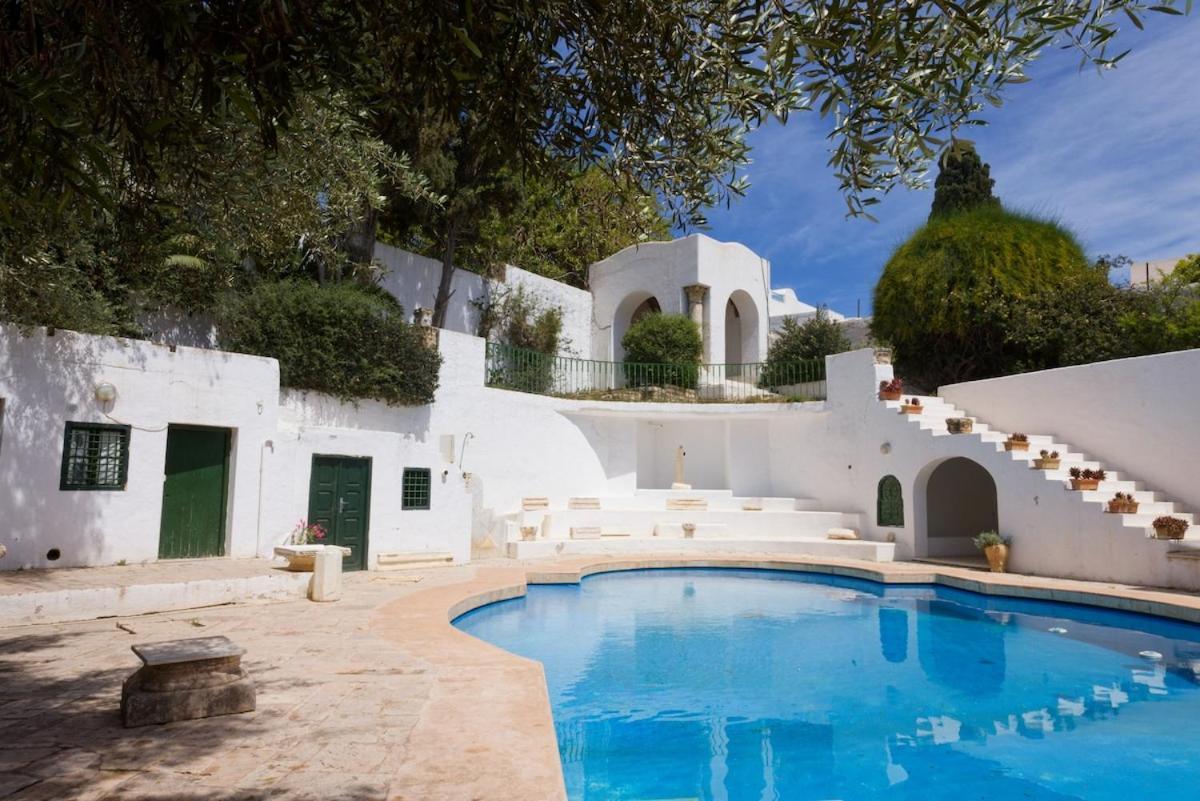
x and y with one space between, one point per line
339 498
194 487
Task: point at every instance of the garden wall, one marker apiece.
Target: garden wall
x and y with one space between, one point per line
413 279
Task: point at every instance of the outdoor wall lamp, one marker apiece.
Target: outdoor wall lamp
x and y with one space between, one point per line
105 392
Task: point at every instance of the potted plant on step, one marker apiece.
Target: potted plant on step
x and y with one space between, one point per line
1123 504
1047 460
912 406
891 390
1017 442
995 548
1085 479
960 425
1169 528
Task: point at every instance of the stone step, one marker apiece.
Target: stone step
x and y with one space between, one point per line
1141 520
409 561
1141 496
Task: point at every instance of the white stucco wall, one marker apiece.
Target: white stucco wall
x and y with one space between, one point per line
1140 416
47 381
519 445
413 279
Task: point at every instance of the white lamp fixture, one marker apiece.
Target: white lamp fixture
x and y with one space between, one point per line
105 392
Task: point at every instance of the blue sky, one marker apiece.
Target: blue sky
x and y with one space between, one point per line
1114 156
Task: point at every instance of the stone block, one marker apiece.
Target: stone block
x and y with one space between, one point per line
186 679
327 576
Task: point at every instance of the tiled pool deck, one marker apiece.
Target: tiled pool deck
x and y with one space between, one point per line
374 697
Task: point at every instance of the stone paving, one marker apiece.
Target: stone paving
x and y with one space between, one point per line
336 704
373 697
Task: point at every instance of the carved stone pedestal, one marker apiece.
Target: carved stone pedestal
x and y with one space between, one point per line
186 680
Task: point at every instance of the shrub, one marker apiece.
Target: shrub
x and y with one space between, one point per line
797 343
671 341
519 319
988 539
941 297
343 339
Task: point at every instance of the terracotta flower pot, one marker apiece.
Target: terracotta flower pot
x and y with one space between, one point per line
911 408
1085 484
1122 507
1043 463
997 557
1163 533
1010 445
890 395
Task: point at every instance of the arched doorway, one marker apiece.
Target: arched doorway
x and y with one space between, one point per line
959 501
741 331
634 307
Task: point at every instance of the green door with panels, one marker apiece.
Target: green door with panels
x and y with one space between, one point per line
339 498
195 478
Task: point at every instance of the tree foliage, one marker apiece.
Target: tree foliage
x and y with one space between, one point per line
343 339
815 338
559 228
932 300
518 318
963 183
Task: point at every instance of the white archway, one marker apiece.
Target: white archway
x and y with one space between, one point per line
634 307
954 500
742 329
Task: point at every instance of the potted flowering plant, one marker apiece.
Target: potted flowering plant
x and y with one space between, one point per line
306 533
1123 503
1017 442
995 548
911 406
960 425
304 543
1047 460
891 390
1086 479
1169 528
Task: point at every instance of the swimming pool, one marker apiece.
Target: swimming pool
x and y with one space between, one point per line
740 685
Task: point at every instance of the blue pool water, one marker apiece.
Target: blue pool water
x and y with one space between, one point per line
731 685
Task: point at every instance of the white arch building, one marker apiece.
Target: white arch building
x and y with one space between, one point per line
723 286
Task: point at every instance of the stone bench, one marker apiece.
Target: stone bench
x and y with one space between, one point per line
186 679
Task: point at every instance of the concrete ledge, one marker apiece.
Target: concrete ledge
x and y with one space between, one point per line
481 690
704 543
63 605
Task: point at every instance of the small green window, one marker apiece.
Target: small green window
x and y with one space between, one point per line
95 457
889 510
415 488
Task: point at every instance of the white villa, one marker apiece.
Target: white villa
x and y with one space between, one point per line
120 451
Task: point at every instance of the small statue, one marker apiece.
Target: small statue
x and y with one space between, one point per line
679 482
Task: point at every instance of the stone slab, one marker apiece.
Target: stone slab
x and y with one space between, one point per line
172 652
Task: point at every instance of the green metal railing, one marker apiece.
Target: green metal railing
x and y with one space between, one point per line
524 370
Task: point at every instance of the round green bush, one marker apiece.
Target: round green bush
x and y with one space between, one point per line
662 349
343 339
934 302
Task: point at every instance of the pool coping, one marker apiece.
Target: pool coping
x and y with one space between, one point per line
487 731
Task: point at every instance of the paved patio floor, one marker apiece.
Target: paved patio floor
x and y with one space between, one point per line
336 703
372 697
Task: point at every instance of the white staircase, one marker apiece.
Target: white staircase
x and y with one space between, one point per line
704 521
1132 535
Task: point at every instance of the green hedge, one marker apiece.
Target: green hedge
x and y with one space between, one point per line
343 339
672 340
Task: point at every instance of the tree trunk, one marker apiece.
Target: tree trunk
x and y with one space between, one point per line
442 303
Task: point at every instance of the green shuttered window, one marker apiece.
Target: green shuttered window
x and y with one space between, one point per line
415 489
95 457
